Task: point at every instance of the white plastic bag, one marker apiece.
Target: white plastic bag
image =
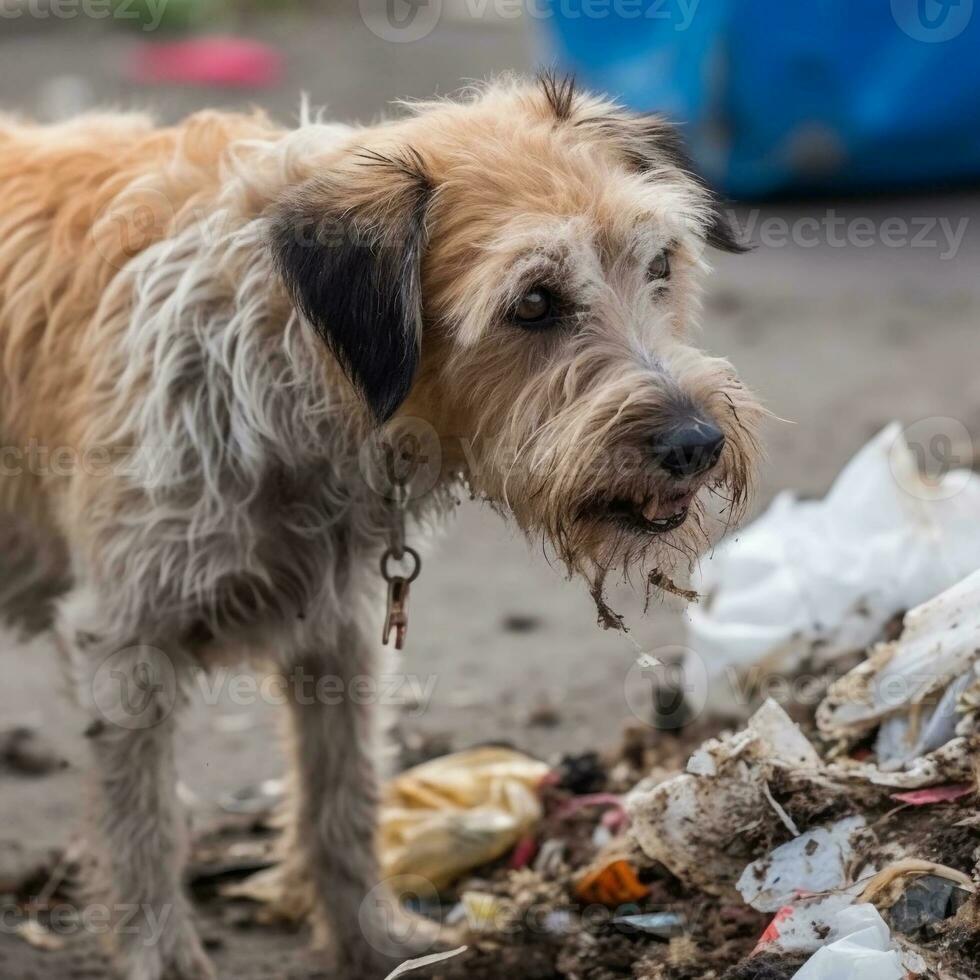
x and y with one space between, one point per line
816 861
860 948
821 578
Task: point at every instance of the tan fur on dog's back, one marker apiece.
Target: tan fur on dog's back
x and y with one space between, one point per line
80 200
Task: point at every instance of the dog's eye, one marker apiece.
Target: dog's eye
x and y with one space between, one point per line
659 268
536 308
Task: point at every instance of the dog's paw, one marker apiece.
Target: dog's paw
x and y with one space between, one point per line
417 935
364 963
379 947
182 959
283 894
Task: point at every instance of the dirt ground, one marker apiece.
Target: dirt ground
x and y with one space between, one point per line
839 339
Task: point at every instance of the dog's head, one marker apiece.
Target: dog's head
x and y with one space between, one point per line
522 269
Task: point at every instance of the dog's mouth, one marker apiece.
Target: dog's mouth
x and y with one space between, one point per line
658 514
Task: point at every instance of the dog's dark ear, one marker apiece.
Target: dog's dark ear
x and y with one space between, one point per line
651 141
349 249
721 232
664 141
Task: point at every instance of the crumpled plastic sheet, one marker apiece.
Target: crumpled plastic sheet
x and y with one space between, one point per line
797 928
859 948
684 822
951 763
816 861
458 812
898 742
820 578
912 687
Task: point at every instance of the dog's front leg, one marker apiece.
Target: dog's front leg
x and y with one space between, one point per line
335 742
131 692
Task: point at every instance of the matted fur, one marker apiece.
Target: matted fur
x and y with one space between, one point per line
210 492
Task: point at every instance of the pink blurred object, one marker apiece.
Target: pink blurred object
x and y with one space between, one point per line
935 794
570 807
227 62
615 820
523 853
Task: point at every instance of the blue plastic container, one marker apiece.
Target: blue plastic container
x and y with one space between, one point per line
781 96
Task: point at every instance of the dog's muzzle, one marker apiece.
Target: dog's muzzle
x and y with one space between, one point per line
683 456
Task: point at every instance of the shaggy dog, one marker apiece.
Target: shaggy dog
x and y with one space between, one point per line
201 329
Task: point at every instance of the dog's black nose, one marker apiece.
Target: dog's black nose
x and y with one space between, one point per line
689 449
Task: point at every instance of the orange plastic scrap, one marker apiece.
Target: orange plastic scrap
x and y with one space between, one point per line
612 884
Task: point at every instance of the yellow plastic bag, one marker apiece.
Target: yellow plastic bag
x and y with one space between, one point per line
458 812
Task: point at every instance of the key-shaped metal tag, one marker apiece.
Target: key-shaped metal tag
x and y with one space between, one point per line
396 617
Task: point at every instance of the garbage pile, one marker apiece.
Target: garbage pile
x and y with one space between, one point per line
845 846
764 857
